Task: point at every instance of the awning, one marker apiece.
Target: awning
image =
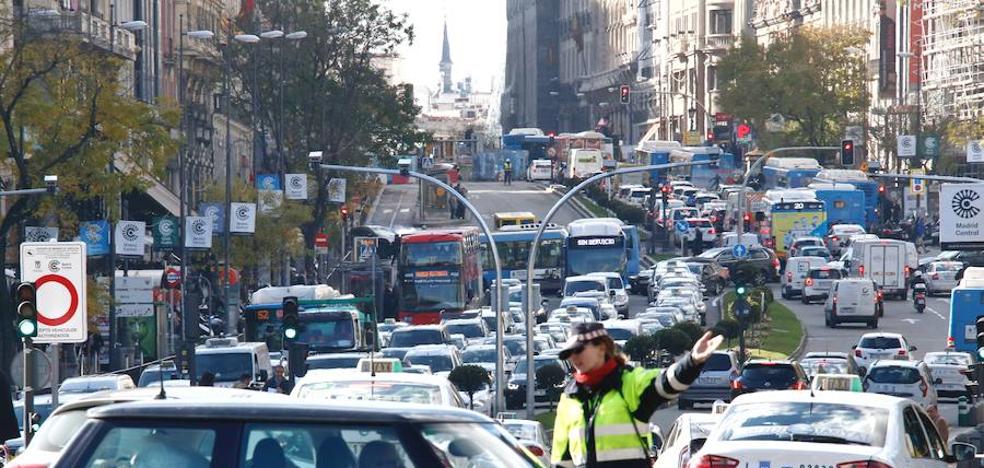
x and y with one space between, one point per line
650 134
156 190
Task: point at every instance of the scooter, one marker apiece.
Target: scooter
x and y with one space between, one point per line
919 296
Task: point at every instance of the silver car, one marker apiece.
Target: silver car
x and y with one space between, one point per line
714 381
941 277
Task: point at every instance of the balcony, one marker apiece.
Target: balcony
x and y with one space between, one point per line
718 42
91 29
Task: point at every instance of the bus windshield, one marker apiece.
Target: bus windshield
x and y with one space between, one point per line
431 296
337 333
515 254
587 258
431 254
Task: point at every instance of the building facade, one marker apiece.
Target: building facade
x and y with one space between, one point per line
532 92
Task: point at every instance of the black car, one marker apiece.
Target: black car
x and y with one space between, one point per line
761 375
712 275
760 266
351 433
515 391
639 283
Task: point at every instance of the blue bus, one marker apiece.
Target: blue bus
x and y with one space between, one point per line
532 140
860 181
726 170
655 152
789 172
844 205
966 303
513 243
602 244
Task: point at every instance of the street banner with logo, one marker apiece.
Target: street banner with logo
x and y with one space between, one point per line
975 151
929 146
296 187
216 213
165 232
268 182
336 190
40 234
130 238
269 201
198 232
906 146
243 218
961 223
95 234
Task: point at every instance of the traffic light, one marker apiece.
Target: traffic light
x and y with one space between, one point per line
344 211
623 94
741 300
297 354
25 296
881 189
291 319
980 336
847 153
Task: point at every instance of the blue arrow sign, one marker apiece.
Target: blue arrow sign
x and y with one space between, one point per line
682 226
739 251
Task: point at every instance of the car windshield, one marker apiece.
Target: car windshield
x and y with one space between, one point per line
779 376
893 375
516 347
411 338
396 353
619 334
952 359
437 362
479 355
227 367
816 252
833 423
718 362
470 330
334 362
574 287
540 363
880 342
76 386
823 366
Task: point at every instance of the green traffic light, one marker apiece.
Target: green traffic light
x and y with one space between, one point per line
980 352
290 333
740 290
27 328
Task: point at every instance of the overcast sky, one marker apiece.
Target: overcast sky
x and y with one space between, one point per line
477 32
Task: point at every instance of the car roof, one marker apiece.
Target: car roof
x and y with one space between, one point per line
582 278
606 274
318 375
882 335
327 356
93 378
107 397
468 321
293 411
419 327
833 396
431 349
894 363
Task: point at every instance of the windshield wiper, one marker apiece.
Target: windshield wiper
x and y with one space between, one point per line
824 439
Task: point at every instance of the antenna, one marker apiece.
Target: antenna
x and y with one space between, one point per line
162 395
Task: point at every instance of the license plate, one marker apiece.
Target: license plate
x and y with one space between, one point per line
823 284
846 310
540 393
705 381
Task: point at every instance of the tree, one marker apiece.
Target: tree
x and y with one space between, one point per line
672 340
551 378
728 328
470 379
64 111
691 329
809 76
640 347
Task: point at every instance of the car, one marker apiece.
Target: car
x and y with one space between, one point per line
621 331
334 360
459 341
825 365
442 359
515 391
595 305
379 386
714 381
818 281
711 275
558 332
950 371
873 347
941 277
472 329
685 437
809 251
77 387
332 433
704 225
152 374
797 270
905 379
760 266
398 353
667 316
228 359
55 434
411 336
616 291
803 242
830 429
484 356
686 306
571 314
639 282
583 284
532 435
761 375
839 234
852 300
516 344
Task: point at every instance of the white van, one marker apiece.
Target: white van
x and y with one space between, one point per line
586 286
229 359
887 262
797 269
852 300
584 163
730 239
540 169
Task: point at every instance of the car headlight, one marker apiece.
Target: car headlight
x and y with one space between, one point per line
512 386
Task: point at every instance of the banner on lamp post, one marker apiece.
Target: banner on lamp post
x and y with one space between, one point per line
975 151
95 234
216 213
165 232
296 187
130 238
906 146
243 219
198 232
40 234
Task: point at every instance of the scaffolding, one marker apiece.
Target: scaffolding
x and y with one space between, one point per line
953 54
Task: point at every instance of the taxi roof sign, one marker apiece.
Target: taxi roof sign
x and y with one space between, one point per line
379 365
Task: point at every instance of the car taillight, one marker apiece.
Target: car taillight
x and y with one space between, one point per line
857 353
902 352
799 386
936 276
835 238
535 450
714 461
808 282
863 464
861 270
907 271
789 276
736 384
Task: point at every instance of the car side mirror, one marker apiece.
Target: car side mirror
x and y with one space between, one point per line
961 452
912 348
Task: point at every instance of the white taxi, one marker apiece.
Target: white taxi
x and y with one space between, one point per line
826 429
399 387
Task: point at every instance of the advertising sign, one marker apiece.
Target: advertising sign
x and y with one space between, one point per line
58 272
268 182
95 234
336 190
130 238
198 232
797 219
215 212
961 222
243 218
296 187
40 234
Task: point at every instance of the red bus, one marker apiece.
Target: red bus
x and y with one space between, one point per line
439 271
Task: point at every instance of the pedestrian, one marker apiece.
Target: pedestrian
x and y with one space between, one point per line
507 172
698 242
920 233
243 382
207 379
276 384
452 206
595 424
461 206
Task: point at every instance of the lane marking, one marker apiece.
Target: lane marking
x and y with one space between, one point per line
395 211
936 313
387 210
404 210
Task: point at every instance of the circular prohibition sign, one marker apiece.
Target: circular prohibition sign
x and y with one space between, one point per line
73 303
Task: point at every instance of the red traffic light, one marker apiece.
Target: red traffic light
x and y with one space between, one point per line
848 146
748 217
665 189
881 189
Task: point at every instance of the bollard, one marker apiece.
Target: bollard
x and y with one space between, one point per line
963 412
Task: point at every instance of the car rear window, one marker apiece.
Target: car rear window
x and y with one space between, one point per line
411 338
718 362
834 423
779 375
825 273
880 342
893 375
949 266
699 223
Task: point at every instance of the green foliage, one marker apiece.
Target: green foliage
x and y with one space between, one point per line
469 378
672 340
691 329
631 214
809 76
728 328
640 347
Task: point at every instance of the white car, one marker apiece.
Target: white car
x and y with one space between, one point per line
873 347
797 269
708 234
442 359
818 282
77 387
531 435
839 236
949 369
585 284
826 429
621 297
687 434
399 387
905 379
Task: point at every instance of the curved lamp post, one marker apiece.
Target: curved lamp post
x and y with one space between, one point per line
315 159
534 247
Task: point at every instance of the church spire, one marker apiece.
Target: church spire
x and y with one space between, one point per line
446 61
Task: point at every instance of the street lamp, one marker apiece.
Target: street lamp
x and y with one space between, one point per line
692 112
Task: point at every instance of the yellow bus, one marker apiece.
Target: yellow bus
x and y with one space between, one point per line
513 218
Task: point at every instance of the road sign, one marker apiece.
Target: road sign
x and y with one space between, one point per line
172 278
961 206
917 186
744 133
321 243
58 272
739 251
365 248
682 226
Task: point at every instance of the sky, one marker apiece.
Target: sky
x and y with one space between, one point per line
476 30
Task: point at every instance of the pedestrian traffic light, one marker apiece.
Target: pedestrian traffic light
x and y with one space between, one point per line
291 319
623 94
25 296
980 336
847 153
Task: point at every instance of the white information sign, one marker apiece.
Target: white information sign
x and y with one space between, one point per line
130 238
296 187
58 272
907 146
243 218
975 151
198 232
961 220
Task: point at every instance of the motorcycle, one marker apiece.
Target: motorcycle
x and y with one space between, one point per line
919 296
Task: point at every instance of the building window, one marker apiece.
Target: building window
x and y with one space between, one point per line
721 22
